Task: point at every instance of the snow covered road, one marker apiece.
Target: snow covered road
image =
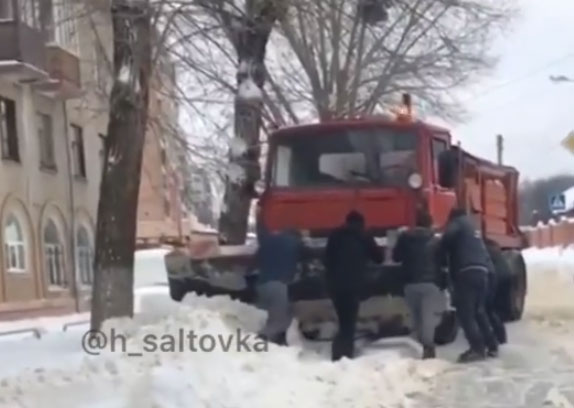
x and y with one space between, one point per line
535 370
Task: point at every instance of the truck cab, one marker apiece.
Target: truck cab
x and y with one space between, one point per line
387 169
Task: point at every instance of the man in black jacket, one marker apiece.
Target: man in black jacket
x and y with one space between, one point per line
469 263
416 249
349 248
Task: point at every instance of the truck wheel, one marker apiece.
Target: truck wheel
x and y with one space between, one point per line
514 289
447 330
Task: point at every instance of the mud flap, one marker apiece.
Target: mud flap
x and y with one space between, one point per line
447 330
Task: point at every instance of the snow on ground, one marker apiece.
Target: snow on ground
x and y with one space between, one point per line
550 299
150 268
534 369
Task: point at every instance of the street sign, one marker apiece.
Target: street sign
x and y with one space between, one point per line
568 142
558 203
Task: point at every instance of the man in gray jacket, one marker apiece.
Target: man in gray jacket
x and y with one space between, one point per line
416 250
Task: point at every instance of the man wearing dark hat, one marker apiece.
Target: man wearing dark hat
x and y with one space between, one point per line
349 249
470 266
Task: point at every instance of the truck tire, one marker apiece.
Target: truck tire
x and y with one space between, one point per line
513 290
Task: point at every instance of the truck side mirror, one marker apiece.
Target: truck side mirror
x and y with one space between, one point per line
256 190
447 168
259 188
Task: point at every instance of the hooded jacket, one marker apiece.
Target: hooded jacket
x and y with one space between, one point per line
417 251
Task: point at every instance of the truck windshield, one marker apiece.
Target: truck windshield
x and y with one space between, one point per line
381 156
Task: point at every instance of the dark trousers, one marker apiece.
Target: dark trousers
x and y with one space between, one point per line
346 305
495 321
471 289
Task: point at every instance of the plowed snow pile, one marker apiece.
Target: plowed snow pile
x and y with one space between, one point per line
253 376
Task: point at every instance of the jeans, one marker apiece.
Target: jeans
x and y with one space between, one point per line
493 316
424 301
471 290
346 305
273 297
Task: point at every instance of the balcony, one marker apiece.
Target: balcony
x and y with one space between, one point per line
22 52
64 80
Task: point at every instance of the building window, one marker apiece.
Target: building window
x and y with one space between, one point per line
166 207
46 142
84 257
66 32
78 151
8 133
47 20
101 68
54 256
14 246
28 12
6 11
102 151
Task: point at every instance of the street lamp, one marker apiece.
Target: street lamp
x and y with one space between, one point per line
558 79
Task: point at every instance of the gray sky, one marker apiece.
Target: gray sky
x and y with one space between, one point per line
520 102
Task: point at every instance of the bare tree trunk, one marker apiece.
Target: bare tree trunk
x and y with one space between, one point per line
250 35
112 294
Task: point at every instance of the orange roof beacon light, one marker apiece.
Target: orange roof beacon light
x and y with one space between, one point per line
405 112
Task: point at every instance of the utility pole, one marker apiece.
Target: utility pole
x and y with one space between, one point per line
499 148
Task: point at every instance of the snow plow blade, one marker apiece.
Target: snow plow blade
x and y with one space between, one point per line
226 271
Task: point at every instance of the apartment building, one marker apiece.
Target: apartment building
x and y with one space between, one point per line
54 79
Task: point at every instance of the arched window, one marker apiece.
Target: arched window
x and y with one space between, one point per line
85 256
54 255
14 245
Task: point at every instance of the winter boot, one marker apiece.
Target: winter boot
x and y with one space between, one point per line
428 352
471 356
280 339
492 352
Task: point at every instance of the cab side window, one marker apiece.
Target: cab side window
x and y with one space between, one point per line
438 146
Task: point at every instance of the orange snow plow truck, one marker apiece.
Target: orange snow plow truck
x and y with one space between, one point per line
388 168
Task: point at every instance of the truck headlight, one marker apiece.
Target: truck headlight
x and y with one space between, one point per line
415 181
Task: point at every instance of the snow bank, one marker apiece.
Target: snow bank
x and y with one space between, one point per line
248 374
556 259
550 298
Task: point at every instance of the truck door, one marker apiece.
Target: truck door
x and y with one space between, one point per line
442 199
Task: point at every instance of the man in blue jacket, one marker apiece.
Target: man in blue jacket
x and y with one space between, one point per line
277 258
470 265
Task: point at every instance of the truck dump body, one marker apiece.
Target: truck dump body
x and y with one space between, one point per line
490 193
